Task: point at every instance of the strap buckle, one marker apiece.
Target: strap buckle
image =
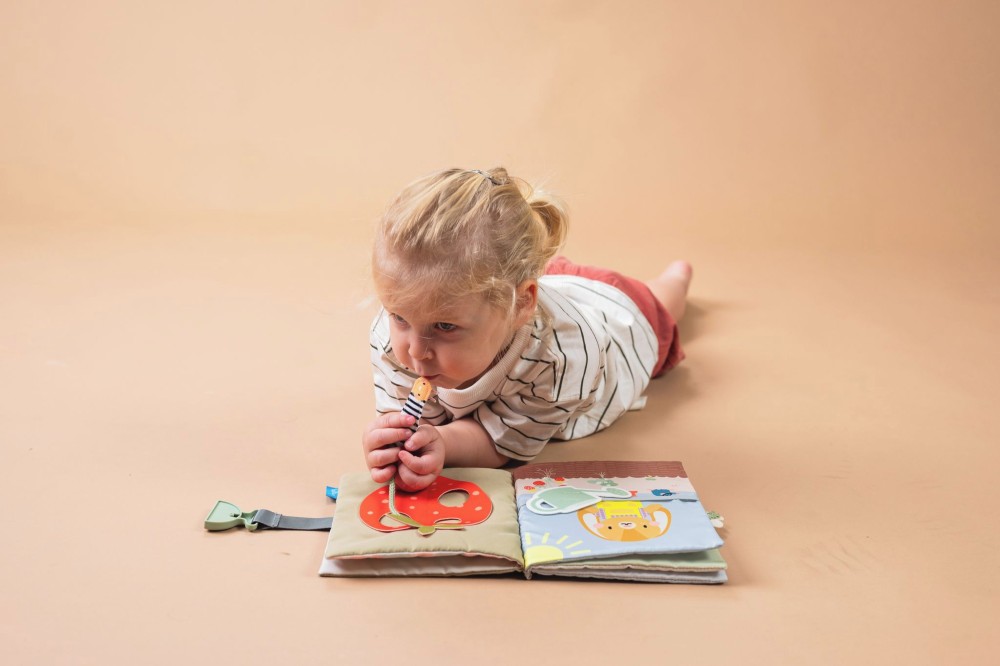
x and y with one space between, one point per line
226 515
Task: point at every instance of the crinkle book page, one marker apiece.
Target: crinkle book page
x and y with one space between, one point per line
703 567
361 543
594 517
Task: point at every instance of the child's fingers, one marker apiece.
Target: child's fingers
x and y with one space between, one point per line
420 465
382 457
381 437
393 420
409 481
422 437
383 474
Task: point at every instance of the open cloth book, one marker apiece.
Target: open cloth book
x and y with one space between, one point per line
612 520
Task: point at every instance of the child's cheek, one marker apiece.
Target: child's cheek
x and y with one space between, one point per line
399 349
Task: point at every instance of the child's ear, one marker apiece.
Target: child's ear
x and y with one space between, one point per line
527 300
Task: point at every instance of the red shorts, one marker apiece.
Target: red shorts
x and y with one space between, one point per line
664 326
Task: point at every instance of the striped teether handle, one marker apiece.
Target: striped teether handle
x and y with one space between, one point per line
414 406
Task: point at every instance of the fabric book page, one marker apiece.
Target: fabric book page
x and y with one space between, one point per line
469 513
630 515
704 567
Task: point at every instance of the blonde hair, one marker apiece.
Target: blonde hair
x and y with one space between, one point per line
460 232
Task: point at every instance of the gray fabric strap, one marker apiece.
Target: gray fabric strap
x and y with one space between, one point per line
275 521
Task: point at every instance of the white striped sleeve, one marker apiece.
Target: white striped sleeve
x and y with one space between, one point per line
520 426
554 383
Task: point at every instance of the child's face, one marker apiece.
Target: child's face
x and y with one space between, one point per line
451 347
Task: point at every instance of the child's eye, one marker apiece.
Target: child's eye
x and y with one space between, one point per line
445 326
396 318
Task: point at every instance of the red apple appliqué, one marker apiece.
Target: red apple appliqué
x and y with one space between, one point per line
424 510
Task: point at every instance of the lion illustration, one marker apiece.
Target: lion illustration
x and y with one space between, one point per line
625 521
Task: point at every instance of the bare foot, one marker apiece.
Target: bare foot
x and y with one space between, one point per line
671 287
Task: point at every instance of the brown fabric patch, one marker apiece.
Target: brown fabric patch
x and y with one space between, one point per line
597 468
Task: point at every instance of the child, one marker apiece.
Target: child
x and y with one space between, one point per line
521 346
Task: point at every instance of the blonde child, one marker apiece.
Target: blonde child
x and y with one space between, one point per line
522 346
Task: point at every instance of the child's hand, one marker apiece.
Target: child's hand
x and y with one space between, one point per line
385 430
421 459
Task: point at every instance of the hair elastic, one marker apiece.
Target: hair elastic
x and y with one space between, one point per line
486 176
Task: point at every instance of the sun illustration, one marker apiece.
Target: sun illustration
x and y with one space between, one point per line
543 551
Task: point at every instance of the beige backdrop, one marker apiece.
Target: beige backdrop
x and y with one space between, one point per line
187 192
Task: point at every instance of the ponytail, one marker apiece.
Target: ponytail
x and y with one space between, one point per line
552 214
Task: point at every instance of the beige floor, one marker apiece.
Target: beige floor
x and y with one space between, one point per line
187 196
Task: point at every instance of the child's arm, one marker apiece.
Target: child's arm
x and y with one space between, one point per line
469 445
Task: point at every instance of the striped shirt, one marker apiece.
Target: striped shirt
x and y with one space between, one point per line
583 361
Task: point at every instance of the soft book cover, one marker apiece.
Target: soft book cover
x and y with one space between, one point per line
613 520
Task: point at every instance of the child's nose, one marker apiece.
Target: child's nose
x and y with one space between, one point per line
420 348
